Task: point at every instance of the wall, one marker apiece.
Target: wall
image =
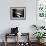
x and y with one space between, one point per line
24 25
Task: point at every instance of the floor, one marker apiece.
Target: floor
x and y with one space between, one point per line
13 44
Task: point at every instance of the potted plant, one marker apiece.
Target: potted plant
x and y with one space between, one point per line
38 27
39 35
35 26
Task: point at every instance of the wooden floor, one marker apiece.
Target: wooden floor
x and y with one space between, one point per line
13 44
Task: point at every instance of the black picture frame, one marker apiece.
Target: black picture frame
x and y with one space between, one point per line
18 13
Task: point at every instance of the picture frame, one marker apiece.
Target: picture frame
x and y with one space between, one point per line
18 13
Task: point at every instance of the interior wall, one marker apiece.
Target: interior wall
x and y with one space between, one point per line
24 25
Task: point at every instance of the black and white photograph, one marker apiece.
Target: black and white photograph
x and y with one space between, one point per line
17 13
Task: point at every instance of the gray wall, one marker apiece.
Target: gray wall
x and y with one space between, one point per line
24 25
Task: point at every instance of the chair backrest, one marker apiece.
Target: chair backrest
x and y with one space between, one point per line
14 30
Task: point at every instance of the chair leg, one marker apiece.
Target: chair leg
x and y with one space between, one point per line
5 43
5 39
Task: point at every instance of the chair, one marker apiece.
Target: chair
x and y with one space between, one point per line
7 35
26 41
14 32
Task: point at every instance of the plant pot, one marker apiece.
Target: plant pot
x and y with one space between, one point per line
40 40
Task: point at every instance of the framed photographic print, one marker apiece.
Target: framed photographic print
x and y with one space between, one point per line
41 9
41 12
17 13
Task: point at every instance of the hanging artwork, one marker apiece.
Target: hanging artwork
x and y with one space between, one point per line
17 13
41 8
41 13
